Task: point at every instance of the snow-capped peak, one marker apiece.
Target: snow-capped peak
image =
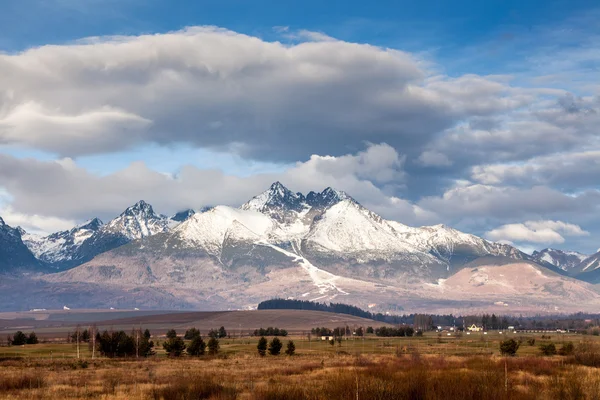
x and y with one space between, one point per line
326 198
92 224
277 196
139 208
138 221
565 260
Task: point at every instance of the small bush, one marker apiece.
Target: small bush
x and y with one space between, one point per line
567 349
531 341
509 347
548 349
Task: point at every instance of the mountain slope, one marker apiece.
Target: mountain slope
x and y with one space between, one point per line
324 246
15 257
68 249
565 260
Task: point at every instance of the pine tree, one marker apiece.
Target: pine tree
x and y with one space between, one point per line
213 346
19 339
291 348
197 347
222 332
171 334
275 346
32 339
191 334
262 346
174 345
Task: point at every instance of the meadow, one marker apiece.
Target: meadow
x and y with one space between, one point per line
430 367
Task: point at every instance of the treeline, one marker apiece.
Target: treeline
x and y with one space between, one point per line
340 308
120 344
401 331
270 331
19 339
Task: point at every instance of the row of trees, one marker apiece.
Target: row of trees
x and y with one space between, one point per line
274 347
394 332
120 344
19 339
270 331
174 345
340 331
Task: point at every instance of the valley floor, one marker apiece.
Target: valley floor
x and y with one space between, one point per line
429 367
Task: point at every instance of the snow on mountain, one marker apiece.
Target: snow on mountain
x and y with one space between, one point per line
137 221
565 260
317 246
209 229
61 246
452 246
67 249
14 254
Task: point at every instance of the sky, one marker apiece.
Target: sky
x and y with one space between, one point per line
484 116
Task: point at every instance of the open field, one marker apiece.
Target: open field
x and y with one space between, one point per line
433 366
381 370
50 324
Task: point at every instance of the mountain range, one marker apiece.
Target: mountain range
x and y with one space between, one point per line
319 246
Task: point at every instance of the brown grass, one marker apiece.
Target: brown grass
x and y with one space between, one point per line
310 376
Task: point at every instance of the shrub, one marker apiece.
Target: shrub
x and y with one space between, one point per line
548 349
587 353
370 329
291 348
213 346
22 381
509 347
275 346
531 341
567 349
262 346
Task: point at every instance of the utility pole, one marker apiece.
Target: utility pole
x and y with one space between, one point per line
78 329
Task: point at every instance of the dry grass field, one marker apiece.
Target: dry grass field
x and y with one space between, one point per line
429 367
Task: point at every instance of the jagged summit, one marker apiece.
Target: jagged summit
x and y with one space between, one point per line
139 208
327 198
183 215
565 260
92 224
279 196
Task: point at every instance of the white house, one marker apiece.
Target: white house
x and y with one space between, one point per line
474 328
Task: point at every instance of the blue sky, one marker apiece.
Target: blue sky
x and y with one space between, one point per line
485 101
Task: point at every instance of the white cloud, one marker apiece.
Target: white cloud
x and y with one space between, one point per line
214 88
542 231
